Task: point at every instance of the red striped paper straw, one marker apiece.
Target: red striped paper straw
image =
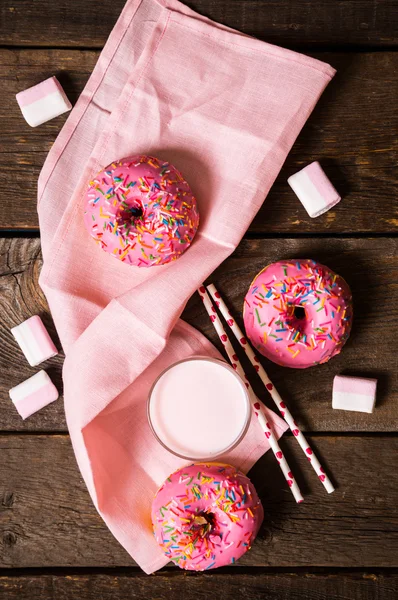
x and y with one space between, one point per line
283 409
256 405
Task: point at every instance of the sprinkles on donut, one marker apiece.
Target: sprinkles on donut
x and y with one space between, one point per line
141 210
298 313
206 516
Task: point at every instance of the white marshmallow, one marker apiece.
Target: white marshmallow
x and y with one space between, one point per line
314 190
33 394
43 102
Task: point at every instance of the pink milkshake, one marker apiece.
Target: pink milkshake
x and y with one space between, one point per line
199 408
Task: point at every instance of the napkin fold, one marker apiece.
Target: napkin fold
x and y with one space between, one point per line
225 109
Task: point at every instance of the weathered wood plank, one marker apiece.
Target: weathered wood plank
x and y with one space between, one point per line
73 23
20 298
352 132
174 585
48 520
369 265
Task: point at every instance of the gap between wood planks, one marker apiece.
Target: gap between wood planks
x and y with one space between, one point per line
307 48
171 571
249 235
287 434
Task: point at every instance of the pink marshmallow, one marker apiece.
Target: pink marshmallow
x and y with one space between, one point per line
33 394
314 189
34 341
43 102
354 393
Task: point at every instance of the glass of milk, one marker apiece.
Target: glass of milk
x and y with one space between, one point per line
199 408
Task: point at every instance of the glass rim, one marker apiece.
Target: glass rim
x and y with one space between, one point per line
244 429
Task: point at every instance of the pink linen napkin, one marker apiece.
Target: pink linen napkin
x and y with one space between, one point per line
225 109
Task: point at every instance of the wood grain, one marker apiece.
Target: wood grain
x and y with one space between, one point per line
369 265
48 520
353 133
331 547
175 585
88 24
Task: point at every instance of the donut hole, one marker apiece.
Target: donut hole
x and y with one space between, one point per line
137 212
210 518
204 521
299 312
127 216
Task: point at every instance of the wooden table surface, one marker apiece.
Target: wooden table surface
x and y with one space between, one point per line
52 542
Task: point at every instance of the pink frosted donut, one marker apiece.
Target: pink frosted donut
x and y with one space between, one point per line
141 210
298 313
206 516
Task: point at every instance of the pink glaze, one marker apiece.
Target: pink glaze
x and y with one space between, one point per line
291 337
141 211
206 516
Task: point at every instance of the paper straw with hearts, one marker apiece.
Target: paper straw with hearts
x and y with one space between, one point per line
256 405
283 409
